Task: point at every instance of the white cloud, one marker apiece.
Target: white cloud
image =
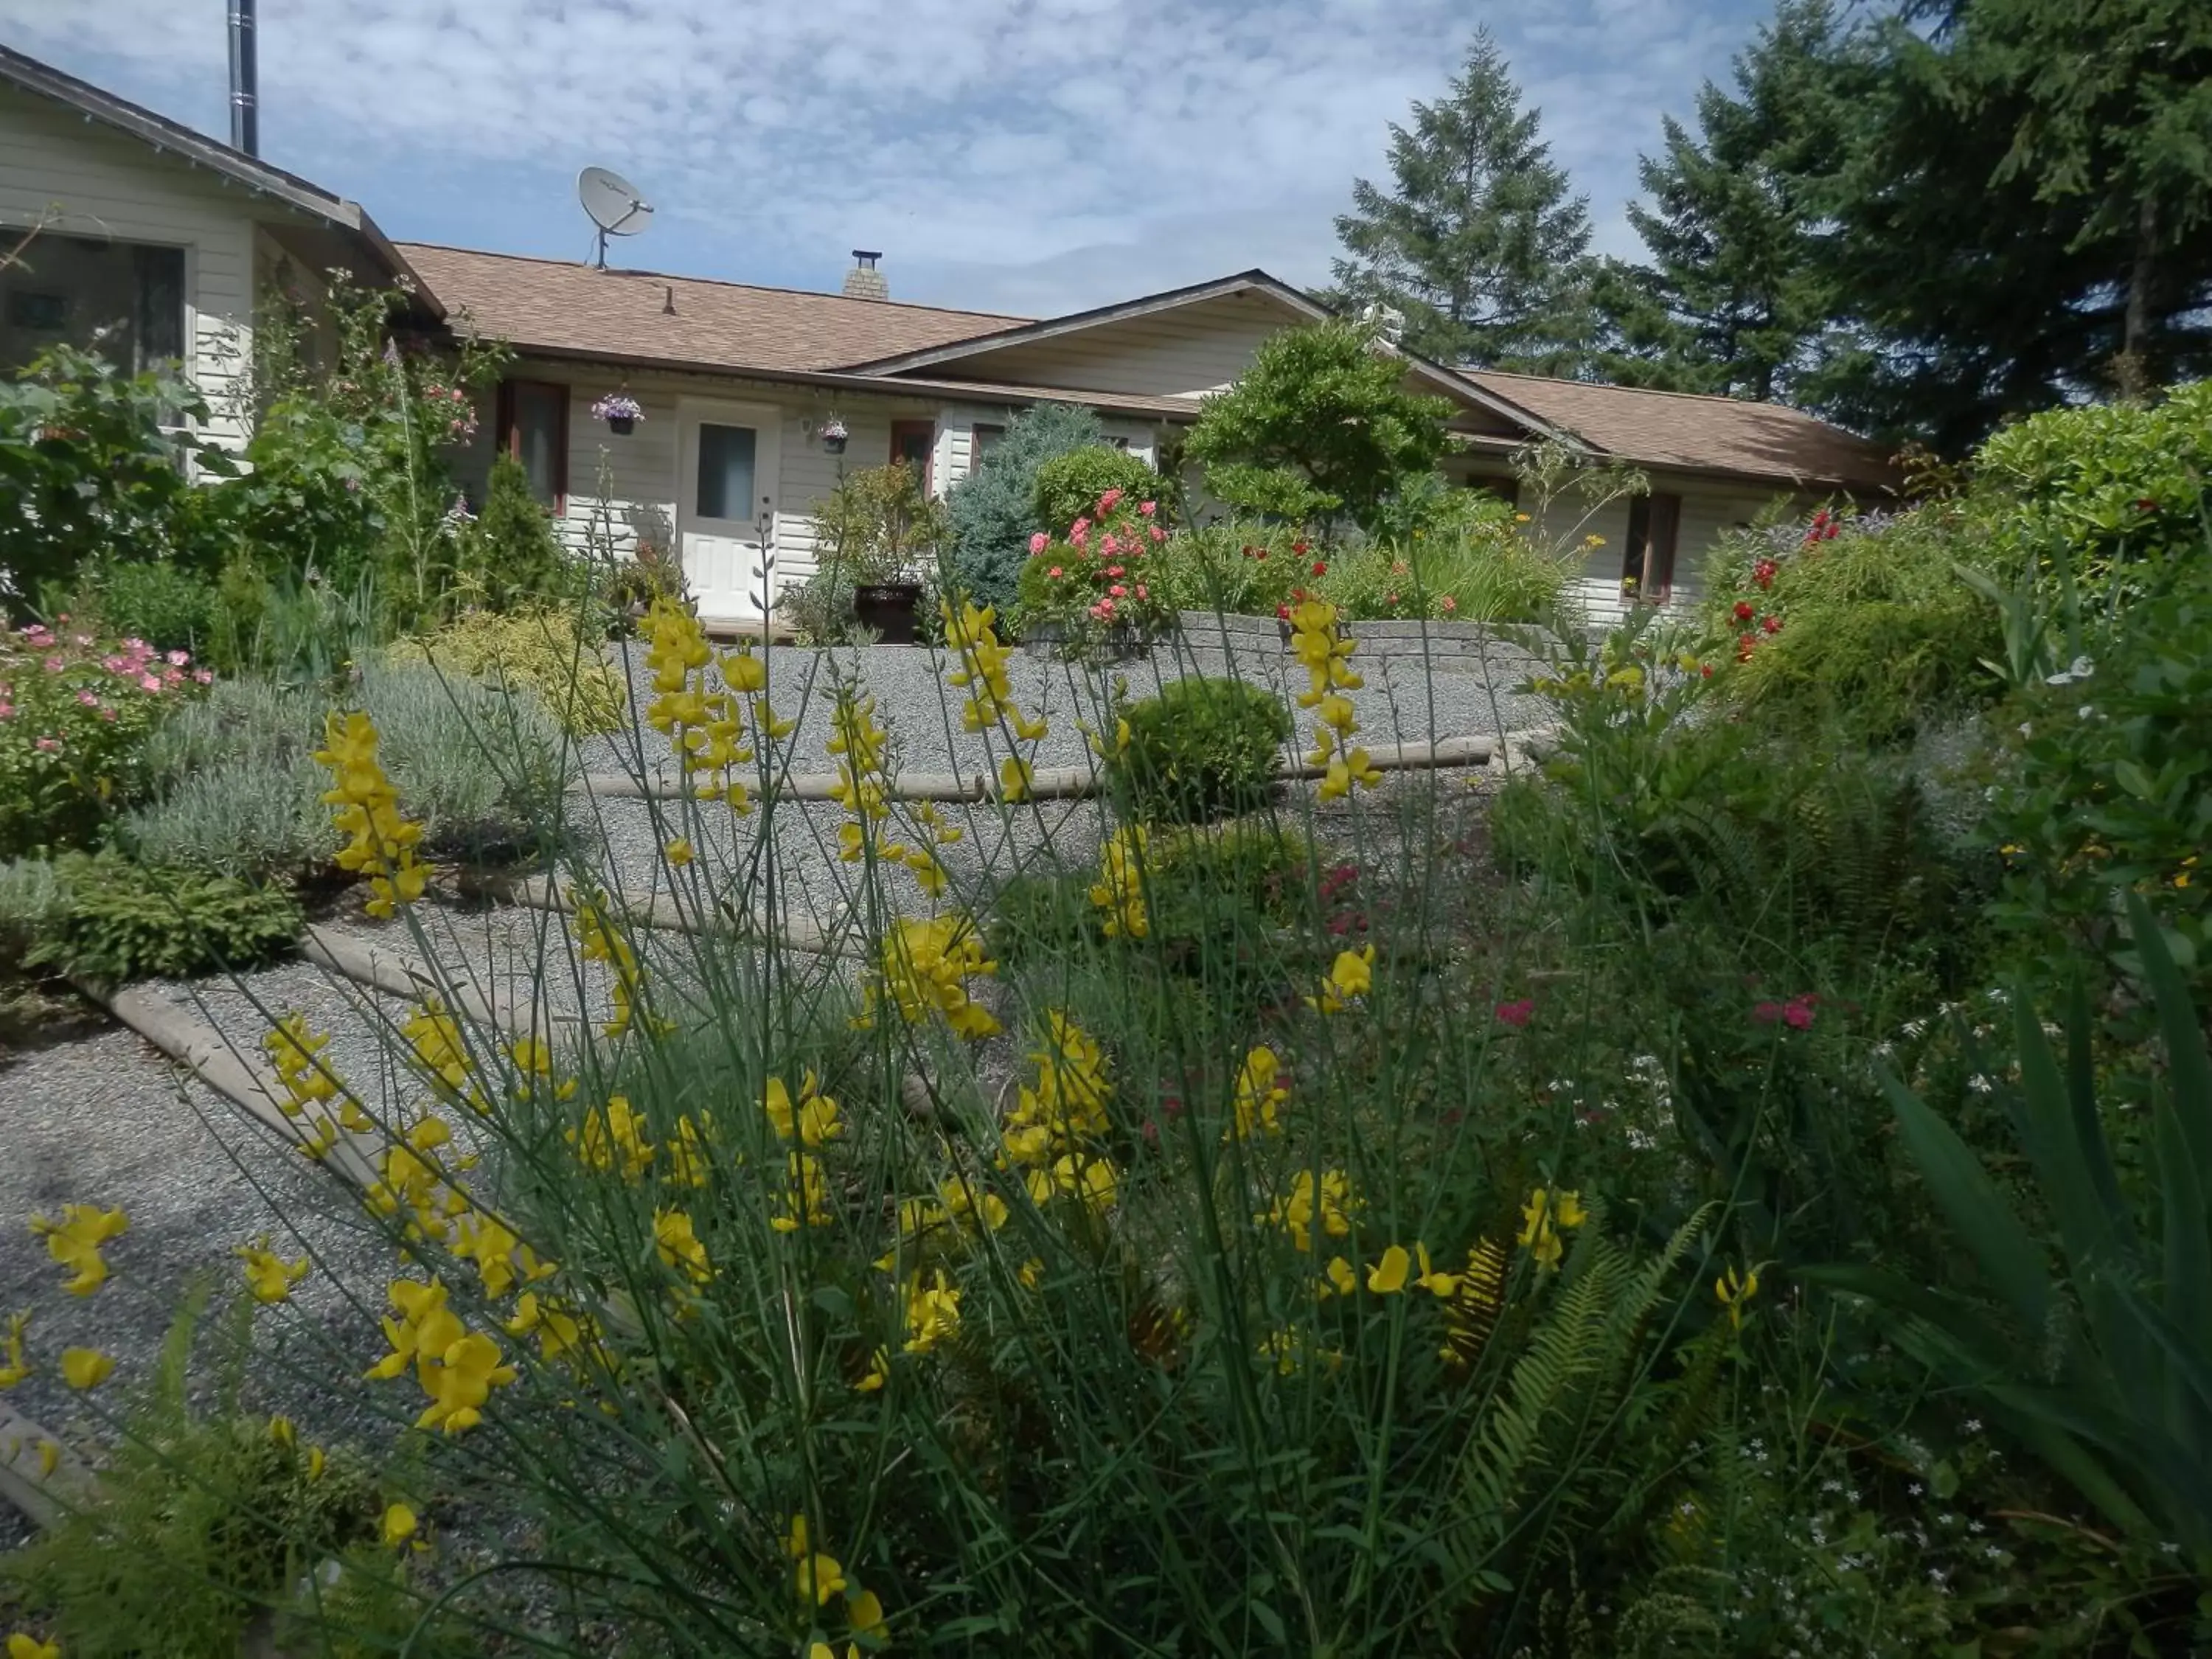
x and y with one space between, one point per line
1028 155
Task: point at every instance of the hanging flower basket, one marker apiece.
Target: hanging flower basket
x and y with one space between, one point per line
833 436
621 411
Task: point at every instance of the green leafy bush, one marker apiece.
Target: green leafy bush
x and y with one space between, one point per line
1319 424
93 468
878 525
238 790
510 555
541 650
993 511
156 600
1099 586
1069 486
75 711
118 920
1201 749
1238 567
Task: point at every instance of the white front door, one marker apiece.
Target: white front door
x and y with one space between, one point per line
724 511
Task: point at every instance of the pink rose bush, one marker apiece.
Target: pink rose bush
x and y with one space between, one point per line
1099 581
73 712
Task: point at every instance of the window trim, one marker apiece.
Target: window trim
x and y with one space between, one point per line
509 432
975 431
921 427
1648 545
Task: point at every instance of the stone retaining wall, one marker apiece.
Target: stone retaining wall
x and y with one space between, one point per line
1445 646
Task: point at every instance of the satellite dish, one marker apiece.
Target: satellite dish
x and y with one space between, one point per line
614 206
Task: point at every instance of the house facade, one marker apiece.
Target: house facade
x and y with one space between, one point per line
166 243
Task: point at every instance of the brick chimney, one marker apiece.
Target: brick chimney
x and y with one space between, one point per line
864 280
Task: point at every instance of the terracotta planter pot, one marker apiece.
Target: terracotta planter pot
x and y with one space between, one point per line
890 608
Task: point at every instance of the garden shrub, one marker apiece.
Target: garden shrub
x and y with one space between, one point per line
878 525
1201 749
510 555
1320 424
1069 486
118 919
1237 568
993 511
156 600
540 650
238 791
74 712
1097 586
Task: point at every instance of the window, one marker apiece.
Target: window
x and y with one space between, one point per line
1507 490
123 300
914 442
1654 522
727 454
533 427
983 439
1113 441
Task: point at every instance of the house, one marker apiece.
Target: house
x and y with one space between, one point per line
180 240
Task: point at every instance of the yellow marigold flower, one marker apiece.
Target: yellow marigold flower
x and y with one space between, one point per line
614 1138
1353 975
1543 1216
813 1120
677 1246
398 1525
932 1313
1259 1092
268 1275
878 1374
75 1241
1331 1202
86 1368
22 1645
1120 889
13 1368
1734 1290
1387 1276
459 1383
677 852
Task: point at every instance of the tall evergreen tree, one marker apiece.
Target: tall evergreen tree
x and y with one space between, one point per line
1479 242
1734 299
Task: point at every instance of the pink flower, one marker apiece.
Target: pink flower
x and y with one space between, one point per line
201 676
1108 502
1767 1012
138 646
1516 1013
1053 572
55 665
1389 598
1079 531
1107 545
107 715
1038 543
48 745
1113 569
1148 508
88 699
116 664
1140 591
1797 1016
7 711
150 682
81 641
1118 590
1450 604
1160 535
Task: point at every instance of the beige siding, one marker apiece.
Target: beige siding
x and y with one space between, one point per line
1182 353
1709 511
75 176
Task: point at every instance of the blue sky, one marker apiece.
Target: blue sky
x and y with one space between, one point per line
1025 155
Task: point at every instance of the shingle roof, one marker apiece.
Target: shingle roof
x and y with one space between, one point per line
554 305
1699 433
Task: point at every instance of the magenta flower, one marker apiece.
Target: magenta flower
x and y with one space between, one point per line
201 676
150 682
1148 508
89 699
1516 1013
55 665
1038 543
1117 590
1108 502
178 658
48 745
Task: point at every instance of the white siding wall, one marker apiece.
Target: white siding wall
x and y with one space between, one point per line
1178 354
1709 510
85 179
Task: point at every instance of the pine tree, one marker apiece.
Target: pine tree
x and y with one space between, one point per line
1479 243
1735 298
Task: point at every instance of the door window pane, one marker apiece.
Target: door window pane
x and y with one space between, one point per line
726 473
537 436
913 443
123 300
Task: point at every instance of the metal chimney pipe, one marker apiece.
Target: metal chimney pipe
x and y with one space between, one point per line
245 98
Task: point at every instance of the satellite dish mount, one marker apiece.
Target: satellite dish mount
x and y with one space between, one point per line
613 204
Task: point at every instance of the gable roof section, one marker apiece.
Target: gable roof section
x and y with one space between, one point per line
165 137
1695 432
965 354
551 305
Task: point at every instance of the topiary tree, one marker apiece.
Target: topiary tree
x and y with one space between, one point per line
1068 486
993 508
511 555
1320 424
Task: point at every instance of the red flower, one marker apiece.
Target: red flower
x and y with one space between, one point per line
1772 624
1743 610
1299 547
2143 504
1321 568
1797 1015
1516 1014
1745 645
1706 669
1767 1012
1257 552
1763 573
